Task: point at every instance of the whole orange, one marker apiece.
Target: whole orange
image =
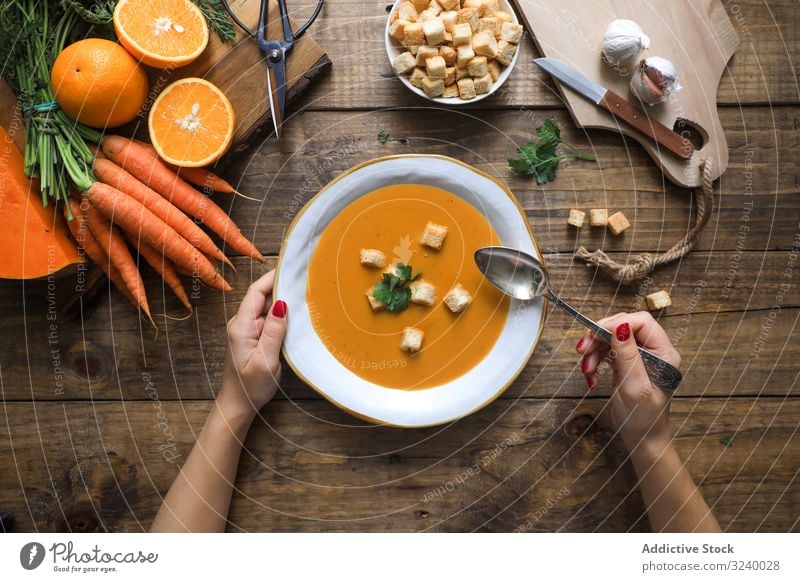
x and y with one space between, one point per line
98 83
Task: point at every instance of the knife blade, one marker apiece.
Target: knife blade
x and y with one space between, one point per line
618 107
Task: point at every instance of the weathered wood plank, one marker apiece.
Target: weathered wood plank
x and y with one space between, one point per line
113 355
351 32
531 465
757 193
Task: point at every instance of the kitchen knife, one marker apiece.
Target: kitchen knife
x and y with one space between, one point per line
617 106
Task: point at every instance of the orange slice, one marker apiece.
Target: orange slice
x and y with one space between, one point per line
191 123
161 33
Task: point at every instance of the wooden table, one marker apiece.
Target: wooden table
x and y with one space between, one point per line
98 415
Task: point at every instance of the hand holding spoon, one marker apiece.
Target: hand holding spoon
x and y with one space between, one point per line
521 276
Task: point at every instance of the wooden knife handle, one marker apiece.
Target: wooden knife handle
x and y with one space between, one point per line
623 109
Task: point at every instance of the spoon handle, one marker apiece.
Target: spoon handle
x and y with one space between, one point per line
661 373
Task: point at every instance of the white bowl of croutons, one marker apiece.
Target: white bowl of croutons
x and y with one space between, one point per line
453 51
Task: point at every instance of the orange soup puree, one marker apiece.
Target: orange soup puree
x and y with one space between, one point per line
391 220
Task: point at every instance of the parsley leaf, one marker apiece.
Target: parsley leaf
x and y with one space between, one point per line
383 137
392 290
540 159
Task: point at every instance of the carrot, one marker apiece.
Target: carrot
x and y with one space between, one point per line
133 217
205 179
116 250
134 158
110 173
163 267
83 236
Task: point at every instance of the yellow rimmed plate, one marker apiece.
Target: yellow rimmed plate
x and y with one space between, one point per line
313 363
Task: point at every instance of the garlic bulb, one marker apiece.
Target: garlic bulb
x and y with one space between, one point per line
623 41
654 80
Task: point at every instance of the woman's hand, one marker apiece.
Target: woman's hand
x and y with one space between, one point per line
639 410
252 361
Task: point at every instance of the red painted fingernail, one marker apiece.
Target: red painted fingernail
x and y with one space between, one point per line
580 344
584 365
279 309
590 380
623 332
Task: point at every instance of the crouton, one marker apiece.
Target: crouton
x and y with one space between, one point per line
420 5
598 216
436 67
505 52
427 14
413 34
483 84
463 55
423 293
484 43
450 91
416 77
448 39
461 73
491 24
406 11
468 16
373 258
374 304
404 63
462 34
466 88
449 54
576 217
457 299
424 53
483 7
658 300
511 32
449 76
411 340
503 16
488 7
618 223
477 66
433 86
493 68
449 4
435 6
397 29
433 235
449 19
434 31
412 48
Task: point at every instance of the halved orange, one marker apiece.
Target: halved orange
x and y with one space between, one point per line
161 33
191 123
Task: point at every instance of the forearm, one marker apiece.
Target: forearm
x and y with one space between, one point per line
673 502
199 499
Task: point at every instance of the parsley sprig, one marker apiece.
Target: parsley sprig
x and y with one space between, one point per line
541 159
392 291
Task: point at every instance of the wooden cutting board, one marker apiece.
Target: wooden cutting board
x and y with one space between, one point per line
695 35
238 68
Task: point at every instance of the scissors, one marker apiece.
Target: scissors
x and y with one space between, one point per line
275 52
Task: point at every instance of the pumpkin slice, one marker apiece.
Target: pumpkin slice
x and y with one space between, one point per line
33 238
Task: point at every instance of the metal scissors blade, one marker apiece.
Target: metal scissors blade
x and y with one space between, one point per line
276 85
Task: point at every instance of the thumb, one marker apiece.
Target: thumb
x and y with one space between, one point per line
629 371
274 329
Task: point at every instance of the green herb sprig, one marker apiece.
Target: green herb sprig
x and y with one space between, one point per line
392 291
541 159
217 18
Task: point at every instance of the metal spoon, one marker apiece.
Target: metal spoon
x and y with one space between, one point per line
521 276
